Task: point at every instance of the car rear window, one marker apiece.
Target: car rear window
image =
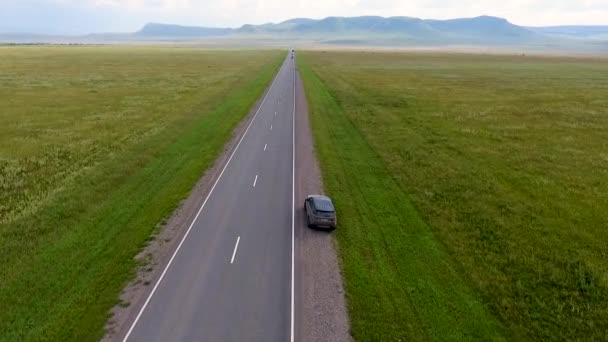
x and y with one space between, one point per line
322 204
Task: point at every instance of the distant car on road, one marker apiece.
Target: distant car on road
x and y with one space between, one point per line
320 211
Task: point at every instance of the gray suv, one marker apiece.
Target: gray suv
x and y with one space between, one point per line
320 211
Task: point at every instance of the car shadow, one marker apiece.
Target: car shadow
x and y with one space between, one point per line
321 229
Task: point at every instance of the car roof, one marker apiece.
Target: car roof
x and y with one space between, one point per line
319 196
322 203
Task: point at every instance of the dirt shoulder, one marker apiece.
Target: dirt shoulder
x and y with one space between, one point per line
320 308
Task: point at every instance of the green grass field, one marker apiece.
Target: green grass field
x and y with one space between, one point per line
472 192
97 146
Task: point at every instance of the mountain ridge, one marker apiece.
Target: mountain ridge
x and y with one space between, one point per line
337 24
395 31
374 29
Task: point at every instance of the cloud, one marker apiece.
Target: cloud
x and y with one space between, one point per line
144 4
81 16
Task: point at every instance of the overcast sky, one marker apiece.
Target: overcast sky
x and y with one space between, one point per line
86 16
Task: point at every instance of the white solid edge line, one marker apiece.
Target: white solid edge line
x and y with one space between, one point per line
235 248
199 212
293 200
255 180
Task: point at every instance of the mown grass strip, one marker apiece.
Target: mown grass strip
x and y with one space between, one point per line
400 282
63 289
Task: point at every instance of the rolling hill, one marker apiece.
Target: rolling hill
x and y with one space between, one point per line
165 30
592 32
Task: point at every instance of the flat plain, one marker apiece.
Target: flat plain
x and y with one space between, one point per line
471 191
97 146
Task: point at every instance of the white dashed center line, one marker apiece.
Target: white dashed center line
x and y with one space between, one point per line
255 180
265 145
235 248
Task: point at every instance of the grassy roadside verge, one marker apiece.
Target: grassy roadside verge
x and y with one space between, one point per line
400 282
503 157
65 264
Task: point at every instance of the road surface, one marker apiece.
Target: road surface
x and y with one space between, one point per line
230 278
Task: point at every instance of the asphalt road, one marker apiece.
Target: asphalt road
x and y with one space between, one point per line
230 278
